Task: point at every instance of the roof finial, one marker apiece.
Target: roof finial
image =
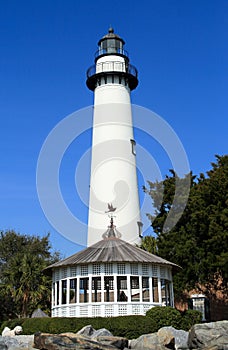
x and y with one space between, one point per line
111 30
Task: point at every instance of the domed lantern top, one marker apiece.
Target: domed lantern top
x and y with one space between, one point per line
111 43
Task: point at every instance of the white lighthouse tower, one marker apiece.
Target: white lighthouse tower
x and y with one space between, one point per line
113 184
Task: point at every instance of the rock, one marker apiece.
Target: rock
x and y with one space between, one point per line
18 342
146 342
103 332
209 335
63 342
173 338
118 342
87 331
166 336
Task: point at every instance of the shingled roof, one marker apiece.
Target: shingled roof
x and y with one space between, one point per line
111 249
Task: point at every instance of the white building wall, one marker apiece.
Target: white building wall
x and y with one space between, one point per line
113 164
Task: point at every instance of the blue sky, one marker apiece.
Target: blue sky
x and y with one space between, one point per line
179 48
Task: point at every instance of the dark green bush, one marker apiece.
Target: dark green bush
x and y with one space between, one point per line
164 316
125 326
189 318
167 316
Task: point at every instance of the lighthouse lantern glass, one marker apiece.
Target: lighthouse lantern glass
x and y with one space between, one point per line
111 46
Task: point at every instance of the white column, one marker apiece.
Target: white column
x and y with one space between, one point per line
151 289
68 291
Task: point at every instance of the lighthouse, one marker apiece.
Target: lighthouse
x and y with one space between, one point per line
113 182
112 276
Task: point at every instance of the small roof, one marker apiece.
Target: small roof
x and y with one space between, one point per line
111 249
111 35
38 313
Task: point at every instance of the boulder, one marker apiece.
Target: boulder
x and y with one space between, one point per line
173 338
118 342
46 341
209 335
103 332
18 342
147 342
86 331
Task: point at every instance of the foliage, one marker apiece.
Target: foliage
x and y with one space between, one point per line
189 318
23 286
167 316
125 326
149 244
164 316
199 240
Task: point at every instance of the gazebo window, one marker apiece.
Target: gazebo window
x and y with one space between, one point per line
135 291
109 289
57 293
73 290
96 289
165 291
146 289
122 288
64 291
155 290
84 283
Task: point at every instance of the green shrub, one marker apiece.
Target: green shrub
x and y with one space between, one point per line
189 318
124 326
164 316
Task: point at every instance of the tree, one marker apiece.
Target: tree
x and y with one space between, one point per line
199 240
23 286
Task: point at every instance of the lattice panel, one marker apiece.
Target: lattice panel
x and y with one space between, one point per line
145 269
109 310
122 310
83 311
108 269
73 311
84 270
136 309
134 269
162 271
73 271
121 269
96 269
154 270
96 311
146 308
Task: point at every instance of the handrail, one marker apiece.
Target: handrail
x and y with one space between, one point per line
111 51
112 66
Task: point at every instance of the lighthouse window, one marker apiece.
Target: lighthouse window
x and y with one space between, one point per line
133 144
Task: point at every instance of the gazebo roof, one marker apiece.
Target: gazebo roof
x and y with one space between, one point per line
111 249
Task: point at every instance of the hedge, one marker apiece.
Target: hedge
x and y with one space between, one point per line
124 326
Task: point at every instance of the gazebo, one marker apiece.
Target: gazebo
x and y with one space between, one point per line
110 278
